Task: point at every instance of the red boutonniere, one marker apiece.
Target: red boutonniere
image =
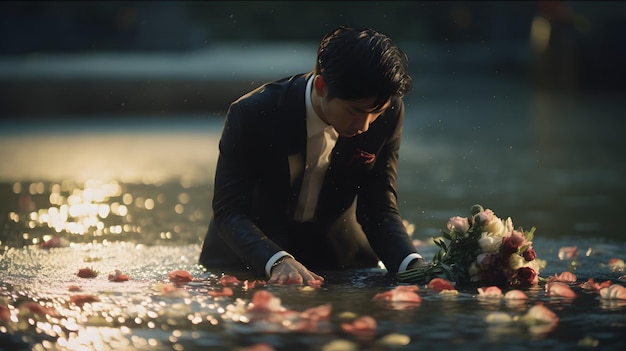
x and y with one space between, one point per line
361 157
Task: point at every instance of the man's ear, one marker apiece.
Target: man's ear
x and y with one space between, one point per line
319 84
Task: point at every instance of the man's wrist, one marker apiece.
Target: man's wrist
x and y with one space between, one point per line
416 263
404 265
275 260
279 261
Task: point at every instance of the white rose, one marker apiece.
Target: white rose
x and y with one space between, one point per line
489 242
508 224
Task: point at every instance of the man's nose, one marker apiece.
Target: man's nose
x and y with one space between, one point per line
364 123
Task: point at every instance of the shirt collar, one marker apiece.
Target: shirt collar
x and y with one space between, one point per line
314 124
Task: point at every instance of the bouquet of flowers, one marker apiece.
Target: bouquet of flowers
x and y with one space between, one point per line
483 250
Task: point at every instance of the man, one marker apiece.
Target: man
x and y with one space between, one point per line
306 176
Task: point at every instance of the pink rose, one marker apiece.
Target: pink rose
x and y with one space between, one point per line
459 223
512 242
483 217
490 223
529 254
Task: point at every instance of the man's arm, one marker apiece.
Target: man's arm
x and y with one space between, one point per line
234 184
377 210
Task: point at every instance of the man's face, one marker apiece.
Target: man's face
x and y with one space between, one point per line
351 117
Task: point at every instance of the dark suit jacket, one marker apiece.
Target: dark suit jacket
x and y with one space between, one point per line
258 179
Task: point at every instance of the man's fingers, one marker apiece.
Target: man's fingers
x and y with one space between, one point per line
295 278
292 272
277 279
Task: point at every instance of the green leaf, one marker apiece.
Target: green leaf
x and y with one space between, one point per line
530 235
438 242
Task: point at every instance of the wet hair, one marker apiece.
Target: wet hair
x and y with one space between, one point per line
359 62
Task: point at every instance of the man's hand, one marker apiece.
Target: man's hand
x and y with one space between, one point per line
290 271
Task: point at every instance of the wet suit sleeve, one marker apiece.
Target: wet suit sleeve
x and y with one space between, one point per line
234 185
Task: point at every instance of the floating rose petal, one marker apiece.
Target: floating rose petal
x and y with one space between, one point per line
74 288
559 289
568 252
226 291
540 319
229 280
87 273
361 325
82 299
564 277
539 314
401 293
394 340
613 292
5 313
449 293
36 309
266 313
318 312
490 292
247 285
515 295
118 276
55 242
301 324
439 284
498 318
264 301
173 291
180 276
592 285
617 264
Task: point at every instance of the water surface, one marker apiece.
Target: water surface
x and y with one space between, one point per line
134 195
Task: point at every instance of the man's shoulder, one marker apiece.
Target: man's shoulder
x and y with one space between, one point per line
274 92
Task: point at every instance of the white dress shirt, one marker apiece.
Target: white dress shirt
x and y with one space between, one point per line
321 139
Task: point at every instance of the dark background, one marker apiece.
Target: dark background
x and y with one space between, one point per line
585 53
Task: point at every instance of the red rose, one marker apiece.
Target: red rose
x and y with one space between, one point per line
529 254
512 242
526 276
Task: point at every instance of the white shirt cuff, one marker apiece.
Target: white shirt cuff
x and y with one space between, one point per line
273 259
405 263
